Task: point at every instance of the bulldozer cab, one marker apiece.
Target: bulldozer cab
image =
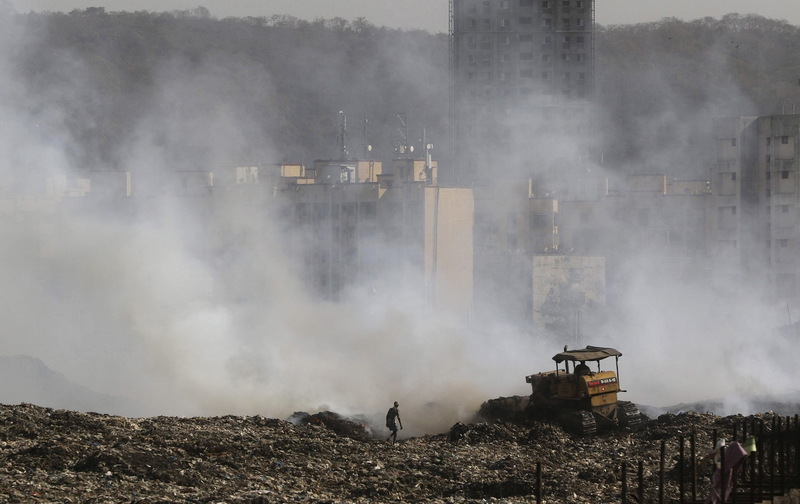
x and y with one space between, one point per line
573 378
580 384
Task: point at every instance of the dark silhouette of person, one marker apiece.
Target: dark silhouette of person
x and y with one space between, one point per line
392 421
582 369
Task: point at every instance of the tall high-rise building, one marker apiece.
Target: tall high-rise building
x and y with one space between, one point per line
522 81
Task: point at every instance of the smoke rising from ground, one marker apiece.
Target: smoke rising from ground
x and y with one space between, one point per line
139 302
690 329
191 312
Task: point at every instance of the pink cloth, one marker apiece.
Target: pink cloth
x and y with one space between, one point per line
734 455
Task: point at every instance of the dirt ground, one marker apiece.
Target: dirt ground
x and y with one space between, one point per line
63 456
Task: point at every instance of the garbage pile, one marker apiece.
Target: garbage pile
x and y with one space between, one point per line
49 455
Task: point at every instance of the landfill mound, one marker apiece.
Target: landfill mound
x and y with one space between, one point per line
52 455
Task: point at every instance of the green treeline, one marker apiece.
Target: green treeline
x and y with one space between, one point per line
99 84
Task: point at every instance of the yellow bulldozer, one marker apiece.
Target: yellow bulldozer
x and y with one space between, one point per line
582 399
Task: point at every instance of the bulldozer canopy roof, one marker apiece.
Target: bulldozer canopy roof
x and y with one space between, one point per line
590 353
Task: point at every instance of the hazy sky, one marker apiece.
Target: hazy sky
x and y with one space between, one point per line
430 15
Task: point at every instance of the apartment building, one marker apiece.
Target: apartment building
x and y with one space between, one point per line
522 80
757 198
536 243
361 225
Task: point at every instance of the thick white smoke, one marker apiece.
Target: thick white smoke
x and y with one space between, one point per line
192 312
143 304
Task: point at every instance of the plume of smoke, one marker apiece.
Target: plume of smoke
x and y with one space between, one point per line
196 314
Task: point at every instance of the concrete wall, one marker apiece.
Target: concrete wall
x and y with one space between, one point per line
448 248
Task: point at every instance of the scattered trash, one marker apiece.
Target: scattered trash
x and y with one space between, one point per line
65 456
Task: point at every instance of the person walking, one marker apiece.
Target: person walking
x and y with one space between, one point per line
393 420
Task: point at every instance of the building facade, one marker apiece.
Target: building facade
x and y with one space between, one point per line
522 81
757 198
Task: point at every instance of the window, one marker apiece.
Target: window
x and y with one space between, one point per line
784 208
784 140
580 22
565 24
545 4
547 22
545 76
579 4
783 242
505 58
769 158
526 56
733 177
580 58
565 57
506 40
564 3
769 175
526 38
785 174
511 220
644 217
526 73
505 4
733 142
785 285
505 23
769 140
525 20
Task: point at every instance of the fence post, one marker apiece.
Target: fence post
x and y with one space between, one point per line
722 476
772 459
752 464
661 472
625 482
693 452
797 449
641 481
761 454
682 467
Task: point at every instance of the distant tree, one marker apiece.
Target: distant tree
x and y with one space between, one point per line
657 84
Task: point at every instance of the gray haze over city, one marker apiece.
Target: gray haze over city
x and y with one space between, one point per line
140 313
426 14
